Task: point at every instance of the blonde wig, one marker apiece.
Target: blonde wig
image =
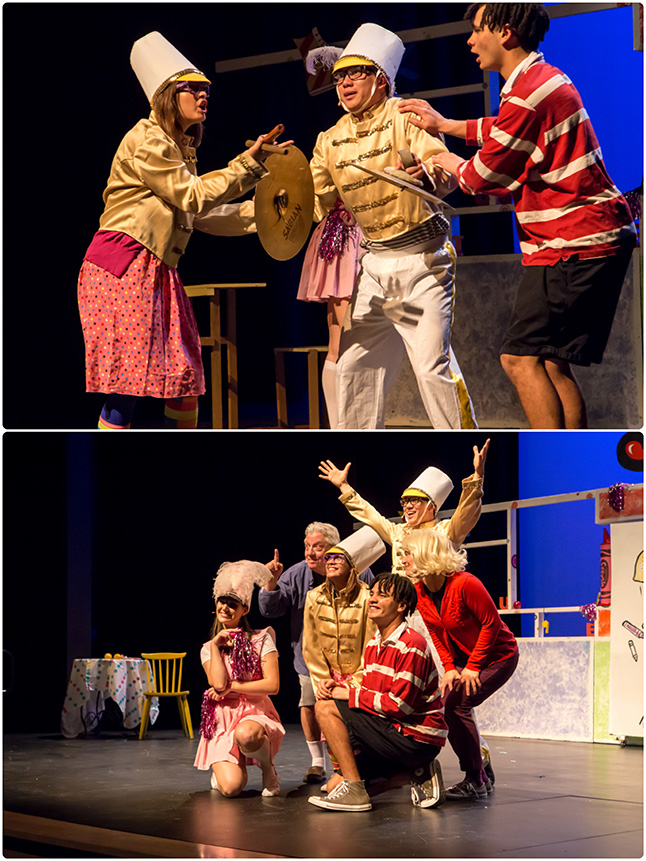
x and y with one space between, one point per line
433 553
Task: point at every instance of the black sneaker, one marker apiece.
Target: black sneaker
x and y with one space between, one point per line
427 785
488 770
466 790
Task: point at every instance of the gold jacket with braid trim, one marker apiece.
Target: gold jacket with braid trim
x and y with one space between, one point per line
335 634
155 196
381 209
456 528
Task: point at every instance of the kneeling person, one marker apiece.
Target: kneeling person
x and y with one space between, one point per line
395 720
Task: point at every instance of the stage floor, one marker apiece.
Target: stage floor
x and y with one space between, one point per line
114 796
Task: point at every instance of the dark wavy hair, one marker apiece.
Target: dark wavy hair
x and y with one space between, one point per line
166 110
400 588
529 21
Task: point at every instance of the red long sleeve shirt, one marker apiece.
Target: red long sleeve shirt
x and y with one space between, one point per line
468 619
400 684
542 148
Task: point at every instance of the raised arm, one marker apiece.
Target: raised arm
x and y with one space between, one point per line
469 507
216 672
276 598
479 458
337 477
357 507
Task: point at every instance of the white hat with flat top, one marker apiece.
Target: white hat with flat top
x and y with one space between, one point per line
157 63
362 548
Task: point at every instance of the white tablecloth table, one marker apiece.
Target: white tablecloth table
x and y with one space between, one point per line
93 680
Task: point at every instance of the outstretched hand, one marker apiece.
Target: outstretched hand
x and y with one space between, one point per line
479 458
330 472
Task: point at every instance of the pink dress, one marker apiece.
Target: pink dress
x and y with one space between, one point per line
235 708
334 277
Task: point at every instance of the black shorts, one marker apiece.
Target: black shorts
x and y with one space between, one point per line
566 310
380 749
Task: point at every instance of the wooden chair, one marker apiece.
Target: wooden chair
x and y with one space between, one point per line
166 681
313 375
222 337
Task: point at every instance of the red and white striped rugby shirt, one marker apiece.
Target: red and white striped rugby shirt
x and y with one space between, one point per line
542 148
400 684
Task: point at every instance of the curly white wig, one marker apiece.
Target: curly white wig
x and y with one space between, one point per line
237 579
433 553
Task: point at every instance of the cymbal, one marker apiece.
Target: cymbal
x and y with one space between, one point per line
284 204
393 179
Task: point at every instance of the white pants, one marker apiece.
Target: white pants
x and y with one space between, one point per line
403 300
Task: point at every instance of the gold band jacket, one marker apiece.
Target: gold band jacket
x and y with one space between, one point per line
464 518
381 209
155 196
336 633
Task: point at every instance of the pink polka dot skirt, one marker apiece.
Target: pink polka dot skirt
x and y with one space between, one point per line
140 332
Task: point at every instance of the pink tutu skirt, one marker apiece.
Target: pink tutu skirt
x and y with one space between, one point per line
231 711
321 279
140 333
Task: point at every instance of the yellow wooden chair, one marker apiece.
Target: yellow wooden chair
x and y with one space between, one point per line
166 681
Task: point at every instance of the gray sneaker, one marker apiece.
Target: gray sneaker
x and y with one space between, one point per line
349 796
466 790
427 785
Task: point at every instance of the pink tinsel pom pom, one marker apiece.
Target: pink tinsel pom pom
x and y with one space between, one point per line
616 496
336 233
589 611
208 718
245 661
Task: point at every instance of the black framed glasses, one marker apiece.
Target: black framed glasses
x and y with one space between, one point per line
196 88
412 500
354 73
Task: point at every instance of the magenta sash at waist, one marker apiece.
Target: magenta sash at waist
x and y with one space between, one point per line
113 251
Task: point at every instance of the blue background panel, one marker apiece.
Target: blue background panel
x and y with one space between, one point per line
559 545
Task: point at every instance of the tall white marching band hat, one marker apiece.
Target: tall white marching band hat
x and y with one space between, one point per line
157 63
432 483
371 44
362 548
374 44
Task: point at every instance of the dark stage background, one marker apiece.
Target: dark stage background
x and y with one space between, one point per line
77 98
111 541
